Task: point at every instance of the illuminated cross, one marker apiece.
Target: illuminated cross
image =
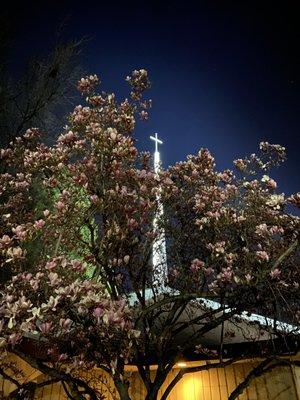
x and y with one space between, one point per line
157 141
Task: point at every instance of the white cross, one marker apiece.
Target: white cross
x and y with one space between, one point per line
157 141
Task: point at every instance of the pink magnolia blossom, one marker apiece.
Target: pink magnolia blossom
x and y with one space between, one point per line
63 357
85 85
60 205
132 223
39 224
276 230
98 312
53 278
65 323
275 273
196 265
272 184
20 232
51 264
262 255
5 240
9 298
32 133
240 164
225 275
208 271
14 338
94 198
45 327
144 115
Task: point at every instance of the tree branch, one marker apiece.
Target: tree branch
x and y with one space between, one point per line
171 299
264 367
9 378
55 373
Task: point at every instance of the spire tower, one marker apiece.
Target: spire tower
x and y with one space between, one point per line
159 253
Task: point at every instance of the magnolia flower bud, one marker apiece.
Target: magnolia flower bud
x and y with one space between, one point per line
98 312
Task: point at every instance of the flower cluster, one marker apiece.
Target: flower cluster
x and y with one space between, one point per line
270 155
85 85
139 82
238 227
55 305
294 200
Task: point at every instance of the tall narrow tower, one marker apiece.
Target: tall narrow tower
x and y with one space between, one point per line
159 253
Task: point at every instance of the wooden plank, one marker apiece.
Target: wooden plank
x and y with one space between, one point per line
222 383
230 378
188 387
43 391
214 384
206 385
8 387
239 376
198 385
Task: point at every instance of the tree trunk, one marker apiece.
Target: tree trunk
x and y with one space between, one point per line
74 392
122 389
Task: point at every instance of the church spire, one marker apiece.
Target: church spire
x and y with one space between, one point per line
159 253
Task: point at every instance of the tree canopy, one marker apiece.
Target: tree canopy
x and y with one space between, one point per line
76 239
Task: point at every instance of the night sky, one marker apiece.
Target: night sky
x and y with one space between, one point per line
225 75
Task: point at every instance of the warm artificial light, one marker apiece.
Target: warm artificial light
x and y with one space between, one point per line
182 364
191 388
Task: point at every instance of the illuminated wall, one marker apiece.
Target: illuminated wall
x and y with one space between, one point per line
216 384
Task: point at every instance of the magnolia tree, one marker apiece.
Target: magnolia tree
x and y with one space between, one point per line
76 243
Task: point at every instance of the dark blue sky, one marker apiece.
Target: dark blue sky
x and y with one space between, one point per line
225 74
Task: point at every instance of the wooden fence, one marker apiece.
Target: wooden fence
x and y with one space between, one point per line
215 384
